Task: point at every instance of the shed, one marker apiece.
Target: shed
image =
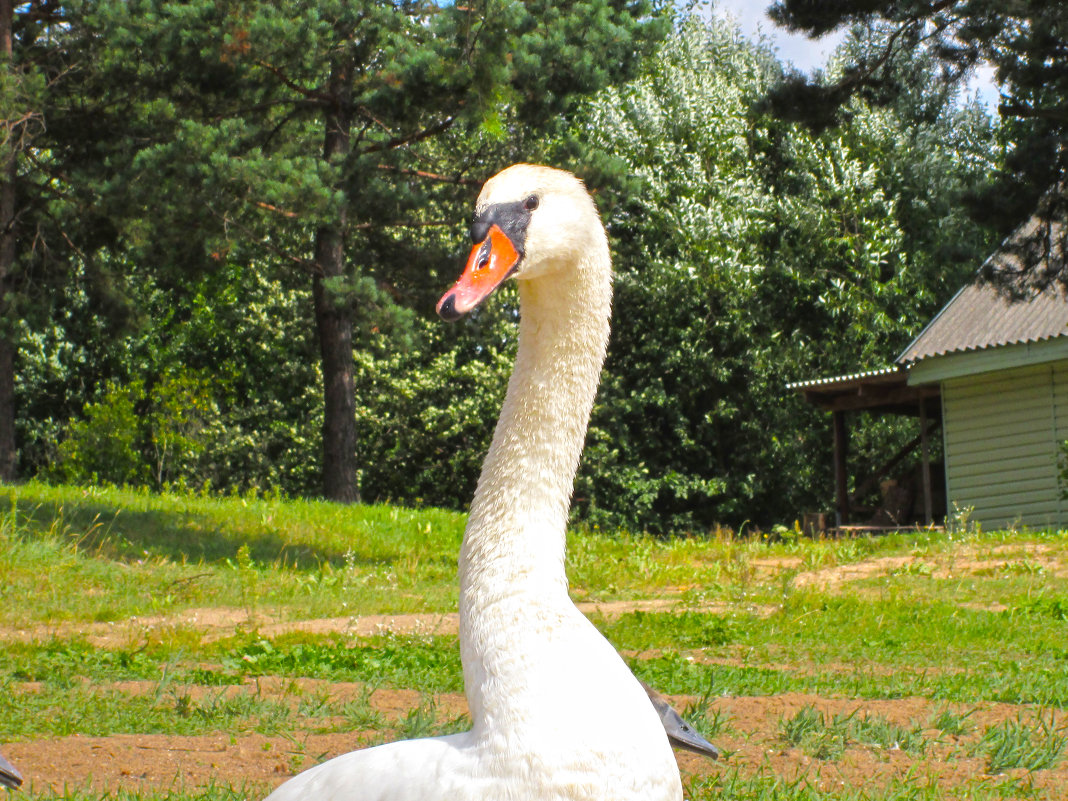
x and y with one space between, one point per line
998 351
992 368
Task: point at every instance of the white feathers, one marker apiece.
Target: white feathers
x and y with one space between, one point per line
556 714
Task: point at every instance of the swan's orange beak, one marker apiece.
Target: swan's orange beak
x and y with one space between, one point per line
490 263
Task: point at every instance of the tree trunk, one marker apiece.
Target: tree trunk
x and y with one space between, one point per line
8 452
333 315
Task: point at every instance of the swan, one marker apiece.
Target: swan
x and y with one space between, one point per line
556 713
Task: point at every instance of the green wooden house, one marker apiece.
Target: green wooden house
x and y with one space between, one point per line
991 371
1000 359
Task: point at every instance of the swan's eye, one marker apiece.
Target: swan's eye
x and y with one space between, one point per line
531 203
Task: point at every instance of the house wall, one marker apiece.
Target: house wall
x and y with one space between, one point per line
1002 431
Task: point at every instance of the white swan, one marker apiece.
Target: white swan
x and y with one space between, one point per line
556 714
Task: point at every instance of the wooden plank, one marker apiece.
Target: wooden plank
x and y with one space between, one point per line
1001 445
1024 481
1000 382
925 466
1008 466
841 478
1035 438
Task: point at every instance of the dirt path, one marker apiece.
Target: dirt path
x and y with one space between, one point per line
220 622
256 762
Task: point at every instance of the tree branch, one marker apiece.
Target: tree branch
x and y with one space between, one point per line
400 141
310 94
431 176
367 226
307 265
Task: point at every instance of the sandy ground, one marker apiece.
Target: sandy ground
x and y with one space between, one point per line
752 740
258 763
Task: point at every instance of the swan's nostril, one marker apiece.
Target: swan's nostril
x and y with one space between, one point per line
447 309
484 255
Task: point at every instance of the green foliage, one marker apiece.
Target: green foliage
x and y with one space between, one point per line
1023 43
105 444
222 384
132 433
425 416
1032 744
750 253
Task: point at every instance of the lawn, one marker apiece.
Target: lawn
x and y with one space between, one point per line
199 647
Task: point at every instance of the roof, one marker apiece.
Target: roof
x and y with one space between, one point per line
1015 296
849 381
883 390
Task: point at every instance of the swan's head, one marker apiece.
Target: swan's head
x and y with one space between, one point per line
529 221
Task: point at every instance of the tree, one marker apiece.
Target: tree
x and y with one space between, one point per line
315 130
1027 44
49 222
19 117
751 253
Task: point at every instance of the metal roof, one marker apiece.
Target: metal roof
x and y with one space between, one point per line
885 390
1006 304
845 381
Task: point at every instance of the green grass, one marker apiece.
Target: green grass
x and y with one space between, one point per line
740 622
954 724
132 553
812 732
735 785
1029 744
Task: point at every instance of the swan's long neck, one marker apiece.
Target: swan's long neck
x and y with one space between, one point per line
514 540
513 550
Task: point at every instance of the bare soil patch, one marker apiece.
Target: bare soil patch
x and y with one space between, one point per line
215 623
1024 557
257 762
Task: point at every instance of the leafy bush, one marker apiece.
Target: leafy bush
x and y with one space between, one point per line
105 445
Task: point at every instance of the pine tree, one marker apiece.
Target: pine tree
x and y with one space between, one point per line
324 133
45 223
1027 44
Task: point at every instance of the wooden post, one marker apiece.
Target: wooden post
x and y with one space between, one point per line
928 511
841 479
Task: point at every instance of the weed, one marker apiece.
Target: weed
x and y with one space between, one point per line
1031 745
708 722
422 721
358 712
877 731
811 732
955 724
827 739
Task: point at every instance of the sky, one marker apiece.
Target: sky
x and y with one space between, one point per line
807 54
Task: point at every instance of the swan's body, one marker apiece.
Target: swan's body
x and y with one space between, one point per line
556 713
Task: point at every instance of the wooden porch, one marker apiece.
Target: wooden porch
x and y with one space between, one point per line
881 392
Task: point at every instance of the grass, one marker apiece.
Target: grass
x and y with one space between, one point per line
812 732
957 623
1033 744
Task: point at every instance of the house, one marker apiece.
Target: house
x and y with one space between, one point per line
999 354
991 370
